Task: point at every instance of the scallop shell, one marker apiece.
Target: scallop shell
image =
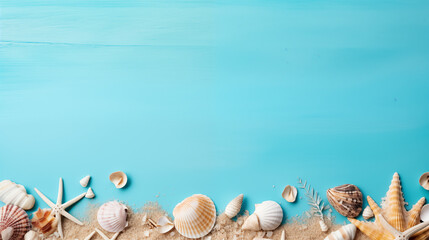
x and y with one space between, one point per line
31 235
119 179
84 181
424 180
234 207
367 213
195 216
289 193
424 213
44 221
112 216
323 226
15 194
347 232
252 223
14 223
346 199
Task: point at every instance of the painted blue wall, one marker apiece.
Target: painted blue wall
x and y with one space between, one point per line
214 97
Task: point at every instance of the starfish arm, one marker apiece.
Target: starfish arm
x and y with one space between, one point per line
90 236
60 192
73 201
415 229
102 234
59 227
45 199
115 236
70 217
375 208
388 227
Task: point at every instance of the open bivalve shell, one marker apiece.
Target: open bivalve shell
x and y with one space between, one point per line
424 180
424 213
119 179
195 216
234 207
14 223
346 232
268 214
289 193
15 194
112 216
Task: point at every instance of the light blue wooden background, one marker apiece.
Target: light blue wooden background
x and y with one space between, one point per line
214 97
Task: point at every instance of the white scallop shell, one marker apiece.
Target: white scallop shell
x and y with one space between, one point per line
119 179
270 215
112 216
424 214
251 223
323 226
289 193
346 232
367 213
195 216
84 181
424 180
234 207
15 194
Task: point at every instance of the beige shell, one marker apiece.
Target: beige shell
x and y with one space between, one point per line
15 194
289 193
234 207
112 216
251 223
89 193
268 216
346 199
347 232
195 216
31 235
367 213
119 179
283 236
323 226
44 221
424 213
14 223
424 180
84 181
164 225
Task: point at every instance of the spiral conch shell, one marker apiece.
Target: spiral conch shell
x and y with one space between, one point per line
367 213
234 207
119 179
347 232
424 180
14 223
112 216
289 193
346 199
267 216
15 194
44 221
195 216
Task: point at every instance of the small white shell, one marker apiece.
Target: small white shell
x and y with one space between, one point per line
367 213
119 179
89 193
289 193
31 235
323 226
283 236
270 215
84 181
424 214
15 194
164 225
234 207
424 180
112 216
346 232
251 223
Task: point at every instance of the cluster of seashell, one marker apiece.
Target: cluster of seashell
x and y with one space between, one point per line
14 223
44 221
195 216
234 207
347 232
346 199
15 194
267 216
112 216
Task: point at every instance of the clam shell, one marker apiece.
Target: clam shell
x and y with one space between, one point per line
270 215
84 181
195 216
346 199
289 193
112 216
347 232
119 179
234 207
44 221
367 213
251 223
424 213
15 194
14 223
424 180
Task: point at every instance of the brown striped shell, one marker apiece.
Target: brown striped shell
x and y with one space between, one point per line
14 223
44 221
346 199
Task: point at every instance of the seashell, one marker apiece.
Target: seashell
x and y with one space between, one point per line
195 216
289 193
346 199
44 221
84 181
164 225
424 213
89 193
270 215
119 179
14 223
112 216
15 194
31 235
251 223
424 180
323 226
367 213
283 236
234 207
347 232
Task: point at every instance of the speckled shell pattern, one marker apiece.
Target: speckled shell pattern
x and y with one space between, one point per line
112 216
16 218
346 199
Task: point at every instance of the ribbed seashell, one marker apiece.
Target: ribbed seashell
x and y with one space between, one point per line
14 223
394 201
15 194
251 223
31 235
112 216
270 215
367 213
195 216
424 180
289 193
234 207
119 179
424 213
346 199
44 221
323 226
347 232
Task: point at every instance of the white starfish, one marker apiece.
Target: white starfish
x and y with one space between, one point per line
105 237
59 208
89 236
